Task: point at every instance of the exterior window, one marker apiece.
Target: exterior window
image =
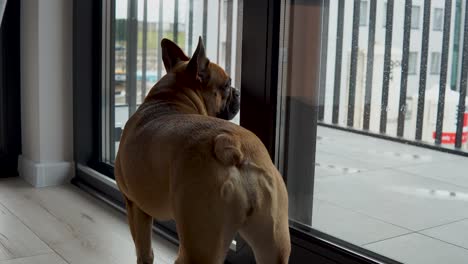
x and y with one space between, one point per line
412 63
438 19
363 14
415 17
384 15
435 63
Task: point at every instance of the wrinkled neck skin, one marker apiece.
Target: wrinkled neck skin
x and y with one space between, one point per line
170 95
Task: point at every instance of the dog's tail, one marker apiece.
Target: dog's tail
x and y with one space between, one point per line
227 149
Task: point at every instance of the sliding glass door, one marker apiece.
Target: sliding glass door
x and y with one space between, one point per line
361 105
371 124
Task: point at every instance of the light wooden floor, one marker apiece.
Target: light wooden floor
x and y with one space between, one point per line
58 225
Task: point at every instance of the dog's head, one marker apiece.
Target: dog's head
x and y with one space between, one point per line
210 80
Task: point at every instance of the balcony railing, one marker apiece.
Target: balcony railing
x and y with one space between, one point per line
135 33
388 68
370 83
138 32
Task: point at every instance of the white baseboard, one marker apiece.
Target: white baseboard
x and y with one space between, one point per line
45 174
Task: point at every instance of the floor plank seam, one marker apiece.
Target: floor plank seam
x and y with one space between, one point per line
28 227
26 257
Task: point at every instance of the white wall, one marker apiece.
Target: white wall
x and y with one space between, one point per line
46 92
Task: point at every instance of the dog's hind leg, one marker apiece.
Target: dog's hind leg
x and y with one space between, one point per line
141 228
267 229
270 242
270 246
204 241
206 224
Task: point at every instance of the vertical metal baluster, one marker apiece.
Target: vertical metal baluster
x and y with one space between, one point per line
205 22
338 61
323 58
423 69
370 64
443 71
229 36
160 37
190 28
387 66
354 61
112 129
463 83
175 32
404 68
145 48
132 46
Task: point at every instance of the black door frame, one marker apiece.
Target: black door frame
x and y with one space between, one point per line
10 112
259 82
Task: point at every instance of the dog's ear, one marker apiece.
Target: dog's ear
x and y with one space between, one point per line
198 64
171 54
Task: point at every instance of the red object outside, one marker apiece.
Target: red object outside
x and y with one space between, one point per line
449 137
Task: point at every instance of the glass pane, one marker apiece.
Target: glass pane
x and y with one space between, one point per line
363 14
438 19
415 17
138 28
374 154
435 63
413 63
384 15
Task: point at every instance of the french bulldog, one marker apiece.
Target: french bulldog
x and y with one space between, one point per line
180 158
